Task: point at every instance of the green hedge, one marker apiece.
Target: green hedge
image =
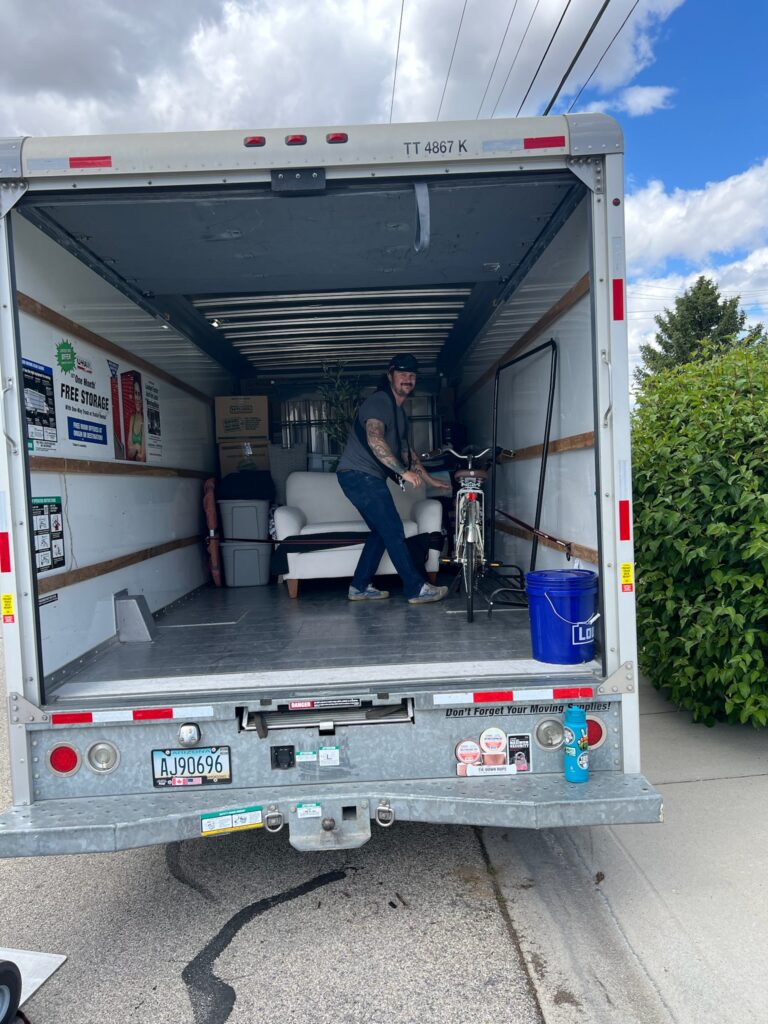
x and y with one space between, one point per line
701 533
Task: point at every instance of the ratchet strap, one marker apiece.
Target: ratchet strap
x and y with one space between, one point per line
566 545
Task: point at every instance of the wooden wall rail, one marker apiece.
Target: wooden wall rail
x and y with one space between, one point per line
49 464
50 316
577 550
47 584
563 444
563 304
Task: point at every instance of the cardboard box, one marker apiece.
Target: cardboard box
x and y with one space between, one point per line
245 454
242 416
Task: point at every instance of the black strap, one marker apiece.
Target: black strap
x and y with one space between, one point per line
362 437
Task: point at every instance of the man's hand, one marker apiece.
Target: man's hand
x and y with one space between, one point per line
412 477
441 485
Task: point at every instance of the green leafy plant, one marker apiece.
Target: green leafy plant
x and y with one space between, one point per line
701 513
341 393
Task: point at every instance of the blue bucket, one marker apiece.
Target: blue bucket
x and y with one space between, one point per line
562 605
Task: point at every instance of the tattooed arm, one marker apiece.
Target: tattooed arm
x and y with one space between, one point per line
374 431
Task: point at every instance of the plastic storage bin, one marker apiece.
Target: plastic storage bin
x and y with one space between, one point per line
244 520
246 564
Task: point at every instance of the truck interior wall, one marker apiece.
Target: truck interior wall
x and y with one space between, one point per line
110 506
568 510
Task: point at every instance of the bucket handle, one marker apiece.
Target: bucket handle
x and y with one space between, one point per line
592 619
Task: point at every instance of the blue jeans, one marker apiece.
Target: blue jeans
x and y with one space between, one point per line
370 496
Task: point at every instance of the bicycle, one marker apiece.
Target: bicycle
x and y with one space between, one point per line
469 536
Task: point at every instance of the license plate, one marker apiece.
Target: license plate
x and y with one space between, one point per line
201 766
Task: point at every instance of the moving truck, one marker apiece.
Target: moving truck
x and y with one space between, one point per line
142 277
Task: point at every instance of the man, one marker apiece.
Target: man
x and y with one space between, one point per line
377 449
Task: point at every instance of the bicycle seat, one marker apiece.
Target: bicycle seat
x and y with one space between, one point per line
474 474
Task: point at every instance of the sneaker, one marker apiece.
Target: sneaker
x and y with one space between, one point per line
369 594
428 594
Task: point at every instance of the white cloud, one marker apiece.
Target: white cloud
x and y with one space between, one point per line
637 100
722 217
197 64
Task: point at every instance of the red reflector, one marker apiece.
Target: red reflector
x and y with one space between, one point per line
78 162
254 140
618 298
5 553
72 718
295 140
545 142
491 696
625 532
471 496
63 760
337 137
145 714
571 692
595 732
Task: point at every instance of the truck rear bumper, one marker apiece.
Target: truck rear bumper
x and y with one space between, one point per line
107 824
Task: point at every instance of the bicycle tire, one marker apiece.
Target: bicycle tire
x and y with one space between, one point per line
469 578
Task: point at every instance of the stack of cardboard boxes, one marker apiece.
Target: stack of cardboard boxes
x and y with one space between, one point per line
242 433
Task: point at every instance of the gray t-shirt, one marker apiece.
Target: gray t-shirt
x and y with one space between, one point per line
356 456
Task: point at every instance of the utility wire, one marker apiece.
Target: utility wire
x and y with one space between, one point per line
579 52
453 54
514 59
541 62
397 58
621 26
493 69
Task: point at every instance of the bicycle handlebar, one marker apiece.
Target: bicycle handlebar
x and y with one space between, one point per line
446 450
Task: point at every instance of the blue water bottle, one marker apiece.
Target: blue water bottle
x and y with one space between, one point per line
576 749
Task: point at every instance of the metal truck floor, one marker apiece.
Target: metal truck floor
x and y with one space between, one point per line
241 639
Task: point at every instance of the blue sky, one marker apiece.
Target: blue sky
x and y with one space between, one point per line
685 78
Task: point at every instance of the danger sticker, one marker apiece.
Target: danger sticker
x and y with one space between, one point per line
627 577
8 608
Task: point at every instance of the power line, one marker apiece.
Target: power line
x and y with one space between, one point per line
397 58
541 62
493 69
594 70
514 59
579 52
453 54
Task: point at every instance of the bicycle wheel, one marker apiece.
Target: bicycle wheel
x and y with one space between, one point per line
469 578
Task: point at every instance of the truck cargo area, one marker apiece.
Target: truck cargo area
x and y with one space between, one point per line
253 290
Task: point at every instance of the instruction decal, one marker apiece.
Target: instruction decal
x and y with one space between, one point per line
9 610
39 405
308 810
48 527
239 820
306 757
491 754
328 757
627 577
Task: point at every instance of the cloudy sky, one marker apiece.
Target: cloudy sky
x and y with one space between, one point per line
685 78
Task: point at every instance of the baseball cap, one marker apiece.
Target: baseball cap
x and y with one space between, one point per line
404 362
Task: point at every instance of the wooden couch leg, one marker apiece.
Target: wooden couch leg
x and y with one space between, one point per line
293 588
432 577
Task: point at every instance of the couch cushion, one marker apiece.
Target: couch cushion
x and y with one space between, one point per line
322 500
352 526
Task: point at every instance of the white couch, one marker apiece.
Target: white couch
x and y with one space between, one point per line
316 504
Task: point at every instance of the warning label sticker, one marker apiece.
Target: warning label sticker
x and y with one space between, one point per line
627 577
9 611
231 821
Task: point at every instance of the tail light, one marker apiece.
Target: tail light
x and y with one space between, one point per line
295 140
336 137
102 757
596 732
252 141
63 759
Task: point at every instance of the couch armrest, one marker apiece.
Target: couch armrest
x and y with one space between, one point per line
428 515
288 521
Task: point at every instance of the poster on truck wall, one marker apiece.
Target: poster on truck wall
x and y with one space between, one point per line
154 431
48 529
98 405
85 396
39 405
134 422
